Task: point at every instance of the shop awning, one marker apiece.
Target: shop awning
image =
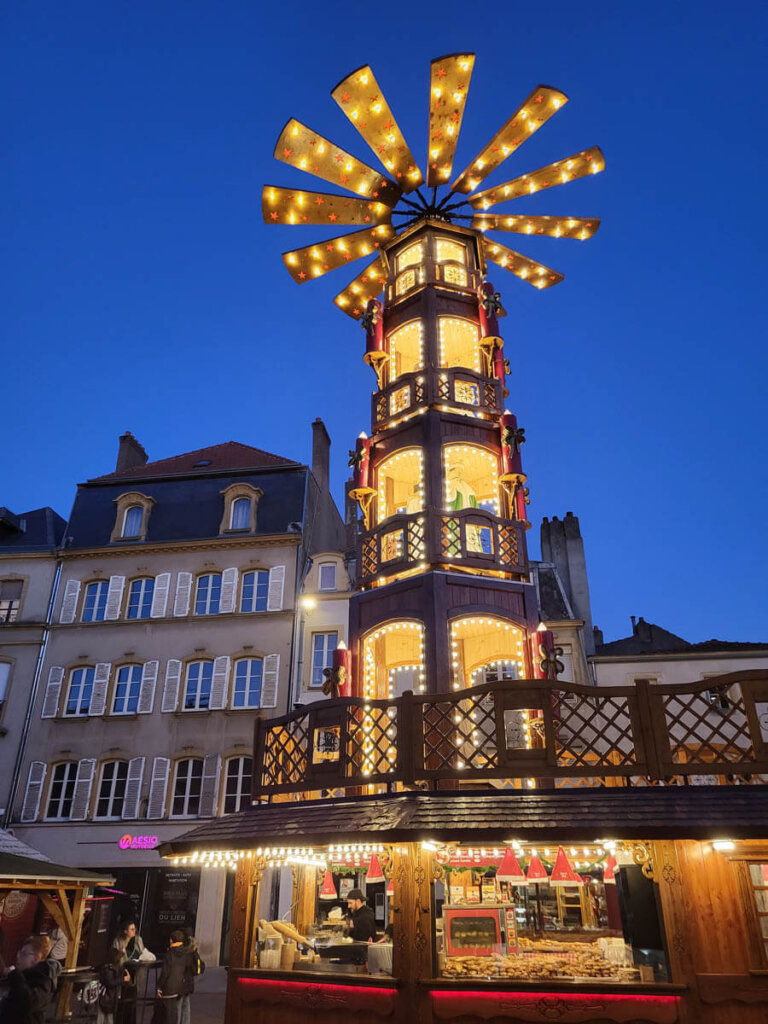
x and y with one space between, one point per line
663 812
29 873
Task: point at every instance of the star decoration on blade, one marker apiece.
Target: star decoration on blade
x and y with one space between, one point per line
378 198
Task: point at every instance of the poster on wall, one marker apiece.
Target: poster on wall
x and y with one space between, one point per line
17 920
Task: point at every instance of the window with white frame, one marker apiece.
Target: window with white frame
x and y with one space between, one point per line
237 790
79 692
127 690
111 795
10 599
246 691
132 521
5 675
327 576
62 791
323 646
140 598
208 594
95 602
187 784
197 687
255 590
241 514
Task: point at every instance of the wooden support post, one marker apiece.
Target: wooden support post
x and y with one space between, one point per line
72 927
412 946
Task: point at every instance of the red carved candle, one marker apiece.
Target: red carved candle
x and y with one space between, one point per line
510 451
362 474
342 658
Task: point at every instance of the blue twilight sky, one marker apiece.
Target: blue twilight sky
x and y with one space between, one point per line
142 291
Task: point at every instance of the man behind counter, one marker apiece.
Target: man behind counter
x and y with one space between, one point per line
362 921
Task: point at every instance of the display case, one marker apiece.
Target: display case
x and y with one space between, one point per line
478 931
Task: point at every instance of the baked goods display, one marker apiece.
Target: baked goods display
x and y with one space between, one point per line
539 961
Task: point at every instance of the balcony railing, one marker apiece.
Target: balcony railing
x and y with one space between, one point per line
522 733
458 389
471 537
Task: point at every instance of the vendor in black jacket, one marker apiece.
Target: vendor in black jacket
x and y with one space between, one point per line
362 922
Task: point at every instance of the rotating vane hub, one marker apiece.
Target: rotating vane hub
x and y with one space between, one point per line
381 206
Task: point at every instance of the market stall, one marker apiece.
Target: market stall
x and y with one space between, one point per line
26 877
502 905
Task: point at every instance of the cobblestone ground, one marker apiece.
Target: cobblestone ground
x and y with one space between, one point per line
208 1000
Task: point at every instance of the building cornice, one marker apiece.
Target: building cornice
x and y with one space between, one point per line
205 544
626 659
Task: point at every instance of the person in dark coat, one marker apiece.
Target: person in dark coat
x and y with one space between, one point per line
30 988
175 983
362 921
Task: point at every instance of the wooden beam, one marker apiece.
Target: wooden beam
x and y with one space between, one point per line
54 909
70 925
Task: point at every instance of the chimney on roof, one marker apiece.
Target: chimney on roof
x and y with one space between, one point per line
130 453
598 636
321 455
562 544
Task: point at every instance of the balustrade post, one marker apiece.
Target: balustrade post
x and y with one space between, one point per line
653 729
407 733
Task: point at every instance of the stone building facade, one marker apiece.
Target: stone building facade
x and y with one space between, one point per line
172 628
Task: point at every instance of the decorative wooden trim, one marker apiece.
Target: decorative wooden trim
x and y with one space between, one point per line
314 996
586 1007
740 988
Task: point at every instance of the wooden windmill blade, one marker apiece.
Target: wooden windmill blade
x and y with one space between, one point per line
376 199
588 161
312 261
360 97
300 147
367 285
552 227
542 104
297 206
448 87
535 273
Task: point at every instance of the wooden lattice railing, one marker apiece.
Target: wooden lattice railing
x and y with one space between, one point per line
543 732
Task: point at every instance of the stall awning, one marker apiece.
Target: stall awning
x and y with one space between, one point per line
29 873
668 812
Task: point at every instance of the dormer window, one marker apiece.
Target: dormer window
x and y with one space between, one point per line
327 574
132 517
241 514
240 504
132 522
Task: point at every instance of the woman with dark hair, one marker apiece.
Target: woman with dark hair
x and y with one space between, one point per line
111 978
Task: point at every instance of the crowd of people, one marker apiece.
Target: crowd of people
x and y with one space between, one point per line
28 987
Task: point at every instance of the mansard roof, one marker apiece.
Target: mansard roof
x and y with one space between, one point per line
217 458
38 530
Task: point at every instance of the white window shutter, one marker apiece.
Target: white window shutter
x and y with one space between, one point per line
228 590
31 806
183 592
114 597
209 789
171 687
133 787
52 692
160 595
275 591
100 684
69 601
161 766
219 683
269 681
147 689
81 797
